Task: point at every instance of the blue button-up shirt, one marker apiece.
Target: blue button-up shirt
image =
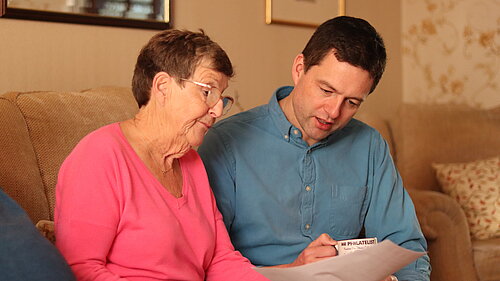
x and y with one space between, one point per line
277 193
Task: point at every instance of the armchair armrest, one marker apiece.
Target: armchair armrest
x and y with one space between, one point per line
445 227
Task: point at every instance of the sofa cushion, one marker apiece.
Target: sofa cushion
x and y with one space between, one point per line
487 259
56 122
476 187
19 174
424 134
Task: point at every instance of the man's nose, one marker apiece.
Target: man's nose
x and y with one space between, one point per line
334 106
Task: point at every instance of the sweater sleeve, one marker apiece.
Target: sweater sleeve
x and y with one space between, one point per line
227 263
87 210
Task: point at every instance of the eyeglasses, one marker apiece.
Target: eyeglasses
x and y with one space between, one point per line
213 95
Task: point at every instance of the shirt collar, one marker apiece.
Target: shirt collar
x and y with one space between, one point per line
277 114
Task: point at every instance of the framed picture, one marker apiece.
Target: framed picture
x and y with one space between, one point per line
147 14
307 13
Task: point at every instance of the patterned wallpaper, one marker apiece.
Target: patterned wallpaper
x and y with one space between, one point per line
451 52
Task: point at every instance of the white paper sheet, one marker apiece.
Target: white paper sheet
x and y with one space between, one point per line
371 264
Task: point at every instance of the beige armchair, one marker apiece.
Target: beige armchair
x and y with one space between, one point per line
425 134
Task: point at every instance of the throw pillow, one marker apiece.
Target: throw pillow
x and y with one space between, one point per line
476 187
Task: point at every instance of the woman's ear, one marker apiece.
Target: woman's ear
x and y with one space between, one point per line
161 87
162 83
298 68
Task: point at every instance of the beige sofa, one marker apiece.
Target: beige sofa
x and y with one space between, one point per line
39 129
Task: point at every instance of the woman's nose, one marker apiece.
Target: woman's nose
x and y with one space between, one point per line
216 110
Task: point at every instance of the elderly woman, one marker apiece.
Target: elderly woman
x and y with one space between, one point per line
133 200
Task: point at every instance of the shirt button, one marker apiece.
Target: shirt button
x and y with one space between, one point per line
296 131
307 226
308 188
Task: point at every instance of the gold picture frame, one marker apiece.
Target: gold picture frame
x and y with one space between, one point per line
306 13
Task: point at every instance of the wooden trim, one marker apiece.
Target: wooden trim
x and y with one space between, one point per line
342 9
3 7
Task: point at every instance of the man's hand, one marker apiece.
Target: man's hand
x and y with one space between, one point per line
391 278
319 249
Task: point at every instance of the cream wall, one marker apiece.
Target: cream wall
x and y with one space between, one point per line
54 56
385 16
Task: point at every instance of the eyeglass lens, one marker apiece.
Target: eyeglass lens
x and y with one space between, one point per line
213 96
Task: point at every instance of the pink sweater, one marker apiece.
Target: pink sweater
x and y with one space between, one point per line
115 221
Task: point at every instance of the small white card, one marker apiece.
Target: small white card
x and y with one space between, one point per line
352 245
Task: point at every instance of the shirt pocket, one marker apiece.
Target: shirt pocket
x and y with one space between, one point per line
346 210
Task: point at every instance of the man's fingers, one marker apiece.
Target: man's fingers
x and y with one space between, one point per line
310 255
320 252
318 249
391 278
323 240
320 259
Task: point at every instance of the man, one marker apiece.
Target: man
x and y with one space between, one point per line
286 172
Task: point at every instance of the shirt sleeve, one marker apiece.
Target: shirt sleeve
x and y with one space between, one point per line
391 214
227 263
87 211
219 164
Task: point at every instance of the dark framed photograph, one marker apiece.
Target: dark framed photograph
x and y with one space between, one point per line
147 14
